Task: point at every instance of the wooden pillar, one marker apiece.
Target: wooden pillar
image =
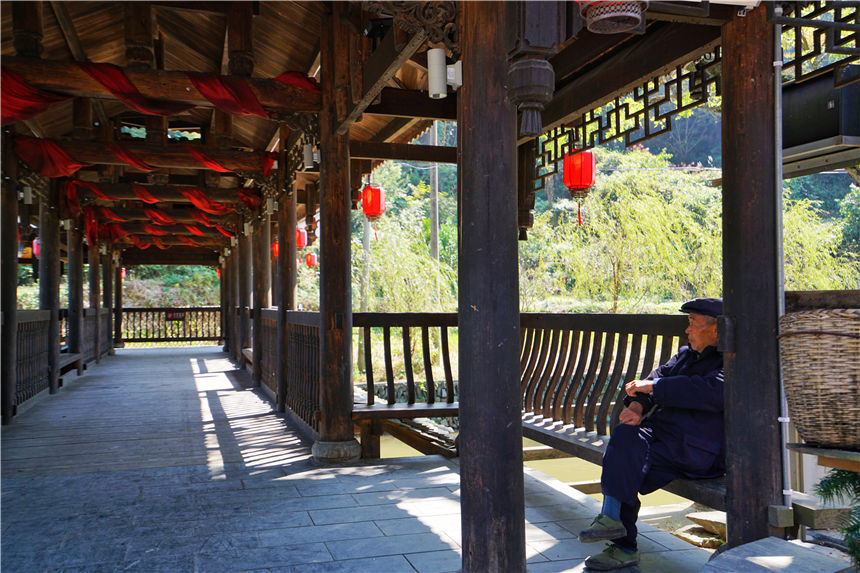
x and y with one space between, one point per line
261 293
9 280
235 270
287 278
117 309
336 442
27 28
138 35
76 289
751 285
107 280
244 270
49 277
239 39
491 461
95 292
224 266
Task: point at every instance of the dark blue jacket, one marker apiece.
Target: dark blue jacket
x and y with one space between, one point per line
685 410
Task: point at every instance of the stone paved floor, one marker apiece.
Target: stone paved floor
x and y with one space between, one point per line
163 460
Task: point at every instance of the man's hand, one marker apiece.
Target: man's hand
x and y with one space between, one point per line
631 416
644 386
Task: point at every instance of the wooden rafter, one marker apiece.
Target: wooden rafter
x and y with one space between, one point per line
68 78
171 193
208 234
178 215
402 151
414 104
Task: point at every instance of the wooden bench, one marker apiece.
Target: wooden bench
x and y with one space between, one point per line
68 362
573 367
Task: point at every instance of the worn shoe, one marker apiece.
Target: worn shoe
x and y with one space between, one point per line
613 557
603 528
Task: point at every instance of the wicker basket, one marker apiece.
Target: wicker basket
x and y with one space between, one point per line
820 352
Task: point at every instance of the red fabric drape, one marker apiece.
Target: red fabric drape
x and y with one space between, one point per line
268 160
153 230
224 231
188 241
130 158
159 217
141 192
299 80
201 218
206 160
114 79
139 243
110 214
70 205
230 94
19 100
92 226
194 230
46 157
157 242
112 232
204 203
251 198
92 188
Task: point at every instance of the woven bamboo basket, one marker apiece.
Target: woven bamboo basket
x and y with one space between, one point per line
820 352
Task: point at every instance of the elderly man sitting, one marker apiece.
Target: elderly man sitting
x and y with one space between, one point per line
671 428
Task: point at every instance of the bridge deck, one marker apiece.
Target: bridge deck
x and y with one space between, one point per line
164 460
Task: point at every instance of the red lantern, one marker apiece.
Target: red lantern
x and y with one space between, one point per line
301 238
36 247
373 201
218 272
122 273
579 172
311 259
275 250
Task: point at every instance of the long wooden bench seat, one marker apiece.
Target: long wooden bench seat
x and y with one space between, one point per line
69 362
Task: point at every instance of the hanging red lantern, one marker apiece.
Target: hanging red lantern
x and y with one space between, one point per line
276 249
218 272
36 247
122 273
311 259
373 201
579 172
301 238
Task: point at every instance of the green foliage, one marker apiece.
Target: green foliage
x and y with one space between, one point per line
826 189
849 208
845 484
170 285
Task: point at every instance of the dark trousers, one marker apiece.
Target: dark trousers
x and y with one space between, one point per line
634 462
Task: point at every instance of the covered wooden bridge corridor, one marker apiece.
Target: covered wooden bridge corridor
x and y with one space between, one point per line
167 459
192 133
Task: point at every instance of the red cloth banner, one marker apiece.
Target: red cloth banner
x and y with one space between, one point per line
70 204
230 94
268 160
112 232
153 230
194 230
201 218
139 243
19 100
157 242
92 226
204 203
46 157
188 241
224 231
251 198
144 195
110 214
159 217
92 188
207 161
116 82
130 158
299 80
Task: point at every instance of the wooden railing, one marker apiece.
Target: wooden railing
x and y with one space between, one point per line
88 343
189 324
303 350
32 374
105 331
269 359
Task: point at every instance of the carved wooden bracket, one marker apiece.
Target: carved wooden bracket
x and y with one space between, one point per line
437 18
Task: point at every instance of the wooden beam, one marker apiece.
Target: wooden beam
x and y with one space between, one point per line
179 215
209 233
173 241
171 193
240 23
658 52
402 152
68 78
414 103
173 256
96 153
380 67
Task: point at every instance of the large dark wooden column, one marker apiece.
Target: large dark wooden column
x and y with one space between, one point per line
49 277
287 277
107 286
9 280
336 442
491 460
245 271
751 204
117 308
223 281
76 289
235 272
95 292
262 269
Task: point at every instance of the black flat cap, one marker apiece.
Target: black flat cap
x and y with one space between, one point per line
706 306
